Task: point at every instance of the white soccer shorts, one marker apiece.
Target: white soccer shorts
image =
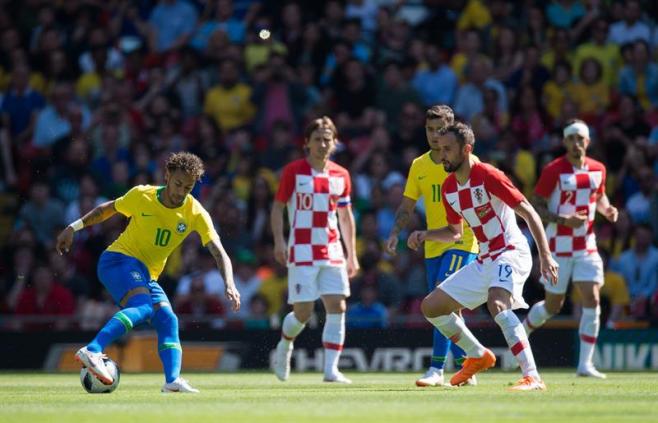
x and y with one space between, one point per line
586 268
308 283
470 285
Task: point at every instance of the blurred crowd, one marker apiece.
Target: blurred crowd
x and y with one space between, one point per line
94 94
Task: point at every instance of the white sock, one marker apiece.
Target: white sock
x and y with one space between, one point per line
333 338
518 341
537 316
588 331
291 328
454 328
435 370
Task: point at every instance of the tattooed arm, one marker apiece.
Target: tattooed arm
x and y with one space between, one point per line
226 269
99 214
541 206
573 220
402 218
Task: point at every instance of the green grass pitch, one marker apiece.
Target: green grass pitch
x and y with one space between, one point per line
374 397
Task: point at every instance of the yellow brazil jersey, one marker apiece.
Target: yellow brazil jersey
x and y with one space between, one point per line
154 231
425 180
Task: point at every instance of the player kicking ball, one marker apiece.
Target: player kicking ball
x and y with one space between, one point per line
160 219
316 192
484 197
570 190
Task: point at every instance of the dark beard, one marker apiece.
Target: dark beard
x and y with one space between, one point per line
449 167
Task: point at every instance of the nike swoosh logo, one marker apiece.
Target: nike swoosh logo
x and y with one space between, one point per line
452 202
146 215
421 177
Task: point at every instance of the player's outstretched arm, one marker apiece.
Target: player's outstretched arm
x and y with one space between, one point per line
604 207
446 234
547 264
276 221
402 218
226 269
99 214
348 232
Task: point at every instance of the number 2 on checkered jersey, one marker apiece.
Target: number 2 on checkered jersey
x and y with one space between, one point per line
569 195
504 272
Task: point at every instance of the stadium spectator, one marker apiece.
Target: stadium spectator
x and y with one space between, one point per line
200 306
600 49
20 105
639 78
247 281
564 13
438 83
223 19
171 25
631 28
229 103
470 96
42 296
258 317
52 122
205 270
43 213
639 266
368 313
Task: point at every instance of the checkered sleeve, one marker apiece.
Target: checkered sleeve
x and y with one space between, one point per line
547 181
601 189
286 185
498 184
452 216
345 200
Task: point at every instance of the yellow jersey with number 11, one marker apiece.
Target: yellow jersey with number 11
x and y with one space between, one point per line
425 180
154 231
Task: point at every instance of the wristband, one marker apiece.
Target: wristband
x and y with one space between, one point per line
77 225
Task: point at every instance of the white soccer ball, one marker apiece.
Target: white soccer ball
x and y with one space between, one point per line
95 386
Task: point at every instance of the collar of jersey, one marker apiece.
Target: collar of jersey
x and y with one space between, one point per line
158 194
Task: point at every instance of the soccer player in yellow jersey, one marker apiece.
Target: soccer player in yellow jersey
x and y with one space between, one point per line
426 176
160 218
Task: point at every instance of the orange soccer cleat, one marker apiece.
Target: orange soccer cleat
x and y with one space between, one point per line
472 366
528 383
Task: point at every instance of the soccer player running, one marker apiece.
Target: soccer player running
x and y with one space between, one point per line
160 218
425 179
484 197
316 192
570 190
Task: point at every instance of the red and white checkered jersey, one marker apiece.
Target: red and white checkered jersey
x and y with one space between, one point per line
569 190
486 201
312 199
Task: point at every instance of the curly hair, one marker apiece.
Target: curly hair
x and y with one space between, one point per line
187 162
